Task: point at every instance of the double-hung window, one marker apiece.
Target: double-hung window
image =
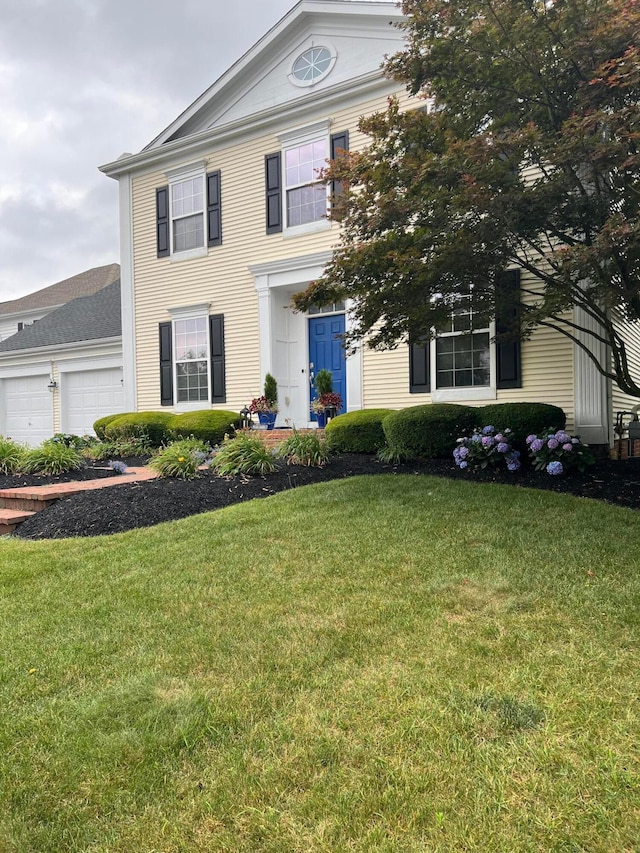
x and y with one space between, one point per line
463 354
191 347
462 362
297 197
188 213
192 358
306 197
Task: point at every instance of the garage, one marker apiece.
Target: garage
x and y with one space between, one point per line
88 395
28 408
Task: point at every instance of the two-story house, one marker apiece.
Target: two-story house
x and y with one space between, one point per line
223 218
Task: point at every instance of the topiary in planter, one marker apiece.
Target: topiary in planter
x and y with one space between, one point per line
357 432
208 425
152 425
101 424
428 431
523 419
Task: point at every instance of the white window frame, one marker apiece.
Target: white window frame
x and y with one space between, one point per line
290 141
191 312
307 84
195 171
464 393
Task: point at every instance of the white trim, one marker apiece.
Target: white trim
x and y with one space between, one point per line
99 363
339 97
12 355
299 264
186 312
41 369
184 173
593 420
303 135
127 300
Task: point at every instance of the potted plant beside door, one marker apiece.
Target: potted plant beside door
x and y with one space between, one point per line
266 406
327 403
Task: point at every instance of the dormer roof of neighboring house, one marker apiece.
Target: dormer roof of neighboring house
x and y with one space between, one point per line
86 318
83 284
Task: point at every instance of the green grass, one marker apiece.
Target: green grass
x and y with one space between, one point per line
379 664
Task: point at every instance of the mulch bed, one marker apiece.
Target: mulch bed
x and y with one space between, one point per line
147 503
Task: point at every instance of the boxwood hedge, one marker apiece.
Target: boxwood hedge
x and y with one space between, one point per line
429 431
522 418
101 424
155 425
357 432
208 425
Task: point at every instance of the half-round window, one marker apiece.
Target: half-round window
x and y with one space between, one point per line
312 65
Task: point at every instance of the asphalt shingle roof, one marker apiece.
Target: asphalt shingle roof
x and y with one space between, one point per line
83 284
87 318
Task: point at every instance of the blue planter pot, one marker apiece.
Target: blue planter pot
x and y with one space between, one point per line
321 418
268 419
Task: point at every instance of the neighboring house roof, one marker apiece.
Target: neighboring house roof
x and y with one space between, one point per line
87 318
83 284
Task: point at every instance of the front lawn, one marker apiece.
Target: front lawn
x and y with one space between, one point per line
388 663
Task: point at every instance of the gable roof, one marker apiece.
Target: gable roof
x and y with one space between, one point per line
254 92
83 284
87 318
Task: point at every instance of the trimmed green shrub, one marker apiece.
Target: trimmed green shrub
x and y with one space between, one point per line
52 457
180 459
304 448
101 424
151 425
357 432
208 425
243 454
11 454
523 419
428 431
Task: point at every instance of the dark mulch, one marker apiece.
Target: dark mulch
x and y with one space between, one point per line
144 504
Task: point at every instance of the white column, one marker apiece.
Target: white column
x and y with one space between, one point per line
590 386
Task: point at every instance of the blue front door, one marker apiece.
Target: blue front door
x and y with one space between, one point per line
326 353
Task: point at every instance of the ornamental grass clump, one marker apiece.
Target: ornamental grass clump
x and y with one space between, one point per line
304 449
52 457
11 455
558 452
487 446
243 455
180 459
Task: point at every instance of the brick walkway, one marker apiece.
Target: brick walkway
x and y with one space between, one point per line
16 505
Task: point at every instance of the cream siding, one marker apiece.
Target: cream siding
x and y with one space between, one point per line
630 333
222 277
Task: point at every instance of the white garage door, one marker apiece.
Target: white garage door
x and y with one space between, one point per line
89 395
28 409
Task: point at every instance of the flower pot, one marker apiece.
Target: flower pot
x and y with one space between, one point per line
268 419
321 418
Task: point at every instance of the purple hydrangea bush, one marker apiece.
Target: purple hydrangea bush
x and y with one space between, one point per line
558 452
487 446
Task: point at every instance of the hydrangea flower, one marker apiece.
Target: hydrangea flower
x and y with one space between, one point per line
463 452
502 447
555 468
463 464
488 430
537 445
530 438
562 436
552 443
487 440
475 438
568 447
513 465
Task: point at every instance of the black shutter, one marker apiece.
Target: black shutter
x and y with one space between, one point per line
166 365
339 145
508 353
216 336
273 187
420 368
214 219
162 221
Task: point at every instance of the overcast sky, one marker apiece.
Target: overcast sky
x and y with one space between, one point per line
81 82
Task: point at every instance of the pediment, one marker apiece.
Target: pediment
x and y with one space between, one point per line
354 35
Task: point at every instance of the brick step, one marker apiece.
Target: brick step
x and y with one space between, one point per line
275 437
27 500
11 518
